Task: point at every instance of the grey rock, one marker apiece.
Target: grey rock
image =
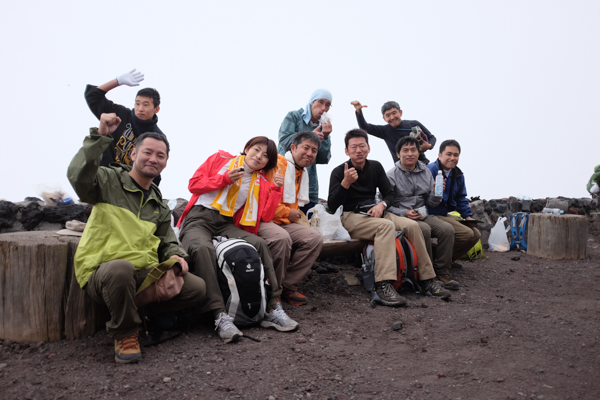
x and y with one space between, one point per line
8 213
526 205
558 203
31 215
64 213
397 325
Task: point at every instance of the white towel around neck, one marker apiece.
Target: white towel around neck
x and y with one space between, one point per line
289 185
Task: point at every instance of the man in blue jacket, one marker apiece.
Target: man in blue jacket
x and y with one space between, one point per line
454 199
313 118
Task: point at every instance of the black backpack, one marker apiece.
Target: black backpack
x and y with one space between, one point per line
241 280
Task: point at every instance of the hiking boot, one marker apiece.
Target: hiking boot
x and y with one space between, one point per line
388 295
294 298
127 350
448 282
227 330
456 265
278 319
436 288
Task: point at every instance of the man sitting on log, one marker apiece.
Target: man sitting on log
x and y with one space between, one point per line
395 129
414 188
128 233
294 247
353 185
454 199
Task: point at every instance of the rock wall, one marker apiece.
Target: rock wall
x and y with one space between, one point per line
489 211
33 215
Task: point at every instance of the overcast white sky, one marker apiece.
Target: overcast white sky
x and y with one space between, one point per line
517 83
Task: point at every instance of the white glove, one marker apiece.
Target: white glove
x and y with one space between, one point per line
130 78
594 189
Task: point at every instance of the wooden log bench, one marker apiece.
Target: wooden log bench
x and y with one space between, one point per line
40 299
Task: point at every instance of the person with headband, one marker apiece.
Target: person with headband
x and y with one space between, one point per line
313 118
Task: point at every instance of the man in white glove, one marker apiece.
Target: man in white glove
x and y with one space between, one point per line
134 122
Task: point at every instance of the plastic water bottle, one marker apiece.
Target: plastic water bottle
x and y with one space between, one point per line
315 221
439 184
555 211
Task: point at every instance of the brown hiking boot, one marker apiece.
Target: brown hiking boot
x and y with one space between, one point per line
127 350
448 282
436 288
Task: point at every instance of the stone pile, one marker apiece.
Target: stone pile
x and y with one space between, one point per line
33 215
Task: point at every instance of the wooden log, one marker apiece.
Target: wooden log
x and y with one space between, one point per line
557 237
339 247
39 296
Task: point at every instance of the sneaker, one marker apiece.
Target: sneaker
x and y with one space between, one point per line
448 282
278 319
127 350
436 288
227 330
294 298
456 265
388 295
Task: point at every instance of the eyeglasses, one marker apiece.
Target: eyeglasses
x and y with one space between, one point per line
361 146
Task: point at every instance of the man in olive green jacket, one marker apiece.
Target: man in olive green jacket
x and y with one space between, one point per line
128 233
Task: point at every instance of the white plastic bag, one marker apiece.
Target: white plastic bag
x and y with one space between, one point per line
498 240
330 226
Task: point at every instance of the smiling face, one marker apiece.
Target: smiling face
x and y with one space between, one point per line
358 149
144 108
317 108
149 159
393 117
256 156
408 155
305 153
449 157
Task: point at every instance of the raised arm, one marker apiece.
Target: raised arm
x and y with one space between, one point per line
96 96
375 130
84 171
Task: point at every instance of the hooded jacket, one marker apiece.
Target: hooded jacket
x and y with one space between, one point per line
126 133
123 225
455 195
412 189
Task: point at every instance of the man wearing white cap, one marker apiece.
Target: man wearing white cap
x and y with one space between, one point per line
313 118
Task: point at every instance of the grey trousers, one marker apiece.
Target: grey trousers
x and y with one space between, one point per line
115 283
196 234
294 249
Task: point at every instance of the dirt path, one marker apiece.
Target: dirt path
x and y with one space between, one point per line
516 330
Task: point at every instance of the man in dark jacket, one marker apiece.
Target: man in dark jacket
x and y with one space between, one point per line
454 199
395 129
133 122
353 186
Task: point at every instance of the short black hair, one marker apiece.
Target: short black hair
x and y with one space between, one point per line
355 133
153 135
449 142
151 93
406 140
271 151
388 105
306 135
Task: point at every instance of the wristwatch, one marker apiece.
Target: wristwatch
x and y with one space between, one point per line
384 204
